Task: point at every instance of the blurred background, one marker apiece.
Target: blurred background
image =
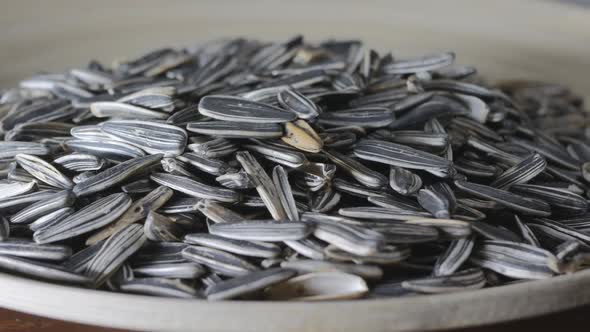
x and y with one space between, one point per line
546 40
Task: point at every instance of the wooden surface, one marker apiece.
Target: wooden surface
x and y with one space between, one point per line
570 321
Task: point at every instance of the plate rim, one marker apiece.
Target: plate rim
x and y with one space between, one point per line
425 312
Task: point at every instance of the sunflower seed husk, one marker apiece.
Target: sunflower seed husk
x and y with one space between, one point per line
319 286
301 136
302 266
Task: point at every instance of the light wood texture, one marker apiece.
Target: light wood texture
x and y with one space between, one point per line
505 39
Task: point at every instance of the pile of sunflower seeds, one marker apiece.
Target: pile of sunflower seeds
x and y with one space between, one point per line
241 169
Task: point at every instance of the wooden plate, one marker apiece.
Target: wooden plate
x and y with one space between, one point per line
504 39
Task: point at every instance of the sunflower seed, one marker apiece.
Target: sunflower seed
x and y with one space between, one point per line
115 174
43 171
298 104
262 230
91 217
454 256
236 109
449 228
175 271
219 261
105 109
50 218
12 189
562 201
151 137
301 136
248 283
386 255
39 270
214 148
38 209
239 247
421 64
515 260
435 203
159 287
159 228
353 239
518 203
78 261
80 162
264 185
194 188
20 201
236 129
114 252
205 164
402 156
108 149
459 281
